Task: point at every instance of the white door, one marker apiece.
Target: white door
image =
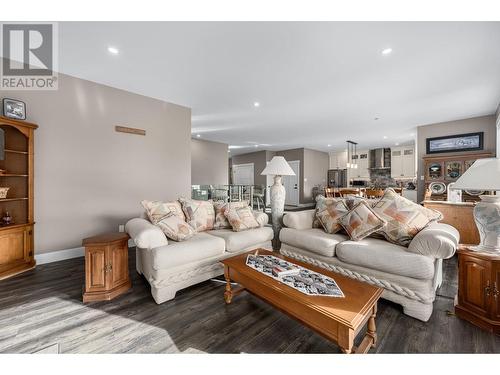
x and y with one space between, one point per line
408 162
243 174
291 184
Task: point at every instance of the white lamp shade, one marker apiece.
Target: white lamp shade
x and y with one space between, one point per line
278 167
484 174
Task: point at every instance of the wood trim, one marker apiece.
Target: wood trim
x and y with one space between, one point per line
458 156
10 121
124 129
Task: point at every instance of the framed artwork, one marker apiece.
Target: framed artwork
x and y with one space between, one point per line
453 170
455 143
435 171
14 109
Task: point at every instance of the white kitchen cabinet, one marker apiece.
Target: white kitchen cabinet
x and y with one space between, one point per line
362 160
338 160
403 162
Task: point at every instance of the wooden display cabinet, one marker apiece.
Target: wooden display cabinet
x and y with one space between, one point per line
448 168
478 299
16 239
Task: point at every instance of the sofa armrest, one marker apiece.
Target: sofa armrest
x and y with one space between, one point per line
299 219
261 217
439 241
145 234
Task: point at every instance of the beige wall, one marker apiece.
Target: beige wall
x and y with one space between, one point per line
316 164
88 178
498 130
258 159
209 163
484 124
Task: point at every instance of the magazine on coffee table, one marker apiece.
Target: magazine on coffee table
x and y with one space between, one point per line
304 280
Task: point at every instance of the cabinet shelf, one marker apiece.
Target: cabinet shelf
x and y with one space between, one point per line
13 175
16 151
13 199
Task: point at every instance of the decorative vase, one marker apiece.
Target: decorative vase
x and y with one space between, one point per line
487 217
277 208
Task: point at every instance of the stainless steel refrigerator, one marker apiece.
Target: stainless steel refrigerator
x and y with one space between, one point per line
337 178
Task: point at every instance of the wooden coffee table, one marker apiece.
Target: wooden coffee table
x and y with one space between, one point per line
337 319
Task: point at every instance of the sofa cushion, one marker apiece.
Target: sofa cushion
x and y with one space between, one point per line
314 240
361 221
175 228
241 218
321 204
299 219
199 247
221 207
199 214
404 218
386 257
157 210
237 241
330 215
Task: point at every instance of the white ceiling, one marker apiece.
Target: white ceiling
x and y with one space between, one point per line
317 83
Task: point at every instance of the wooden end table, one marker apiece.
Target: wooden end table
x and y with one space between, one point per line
106 267
337 319
478 299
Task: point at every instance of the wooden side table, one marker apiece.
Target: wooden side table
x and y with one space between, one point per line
106 267
478 299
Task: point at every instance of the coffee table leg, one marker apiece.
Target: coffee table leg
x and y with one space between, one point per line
228 294
370 339
372 328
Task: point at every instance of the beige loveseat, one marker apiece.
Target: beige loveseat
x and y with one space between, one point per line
170 266
409 276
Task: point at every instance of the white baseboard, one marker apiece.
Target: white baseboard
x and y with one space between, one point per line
56 256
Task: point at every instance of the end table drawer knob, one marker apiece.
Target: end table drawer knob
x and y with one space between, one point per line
487 288
108 267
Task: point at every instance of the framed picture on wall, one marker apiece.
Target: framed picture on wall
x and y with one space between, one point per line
455 143
14 109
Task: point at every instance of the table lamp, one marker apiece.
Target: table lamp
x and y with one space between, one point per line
484 174
277 167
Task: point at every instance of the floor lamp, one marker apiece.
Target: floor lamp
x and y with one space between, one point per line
484 174
277 167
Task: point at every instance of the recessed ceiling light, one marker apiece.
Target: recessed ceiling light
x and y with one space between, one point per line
198 135
228 150
328 145
385 137
387 51
113 50
397 144
256 104
256 146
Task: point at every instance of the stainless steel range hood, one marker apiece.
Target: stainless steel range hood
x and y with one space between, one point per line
380 158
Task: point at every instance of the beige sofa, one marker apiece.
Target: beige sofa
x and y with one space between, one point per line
170 266
409 276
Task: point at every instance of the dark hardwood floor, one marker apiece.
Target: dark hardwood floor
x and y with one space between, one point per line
43 309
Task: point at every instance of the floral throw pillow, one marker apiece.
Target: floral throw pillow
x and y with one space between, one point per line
361 221
241 218
330 215
175 228
321 204
199 214
404 217
221 207
157 210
